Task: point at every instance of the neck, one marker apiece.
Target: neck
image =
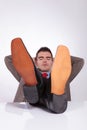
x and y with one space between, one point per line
43 71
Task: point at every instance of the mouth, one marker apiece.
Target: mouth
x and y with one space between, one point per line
44 64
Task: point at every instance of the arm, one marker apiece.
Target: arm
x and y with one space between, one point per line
11 68
77 64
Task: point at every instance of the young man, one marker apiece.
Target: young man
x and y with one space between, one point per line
44 81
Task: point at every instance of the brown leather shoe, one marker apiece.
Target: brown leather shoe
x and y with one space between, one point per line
61 70
23 62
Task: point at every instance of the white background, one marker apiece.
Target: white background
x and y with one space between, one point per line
43 23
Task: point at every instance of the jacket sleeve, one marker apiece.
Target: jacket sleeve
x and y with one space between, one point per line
77 64
11 68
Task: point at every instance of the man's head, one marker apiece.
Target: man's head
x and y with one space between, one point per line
44 59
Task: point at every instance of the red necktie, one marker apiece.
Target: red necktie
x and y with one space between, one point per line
44 75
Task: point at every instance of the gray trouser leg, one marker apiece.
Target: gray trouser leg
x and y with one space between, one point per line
19 97
56 103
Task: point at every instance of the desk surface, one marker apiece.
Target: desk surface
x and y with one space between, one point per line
22 116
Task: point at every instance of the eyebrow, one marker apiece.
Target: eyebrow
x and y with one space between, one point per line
43 57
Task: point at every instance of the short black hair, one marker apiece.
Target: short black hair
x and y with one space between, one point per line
44 49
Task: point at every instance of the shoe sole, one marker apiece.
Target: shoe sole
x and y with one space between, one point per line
23 62
61 70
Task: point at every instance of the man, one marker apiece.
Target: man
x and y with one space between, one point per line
50 89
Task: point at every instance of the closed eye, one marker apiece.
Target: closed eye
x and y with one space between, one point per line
47 58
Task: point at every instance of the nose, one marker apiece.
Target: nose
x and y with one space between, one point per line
44 59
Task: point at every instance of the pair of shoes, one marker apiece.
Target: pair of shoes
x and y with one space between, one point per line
24 65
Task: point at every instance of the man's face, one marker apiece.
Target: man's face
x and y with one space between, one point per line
44 61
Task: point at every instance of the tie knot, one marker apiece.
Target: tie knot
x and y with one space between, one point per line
44 75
